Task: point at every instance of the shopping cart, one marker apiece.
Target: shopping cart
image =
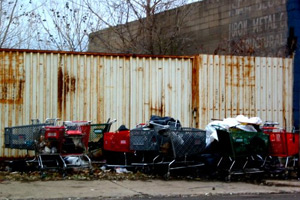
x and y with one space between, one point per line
117 148
152 138
63 147
74 144
117 141
145 138
187 144
175 147
240 152
25 137
95 144
283 150
32 137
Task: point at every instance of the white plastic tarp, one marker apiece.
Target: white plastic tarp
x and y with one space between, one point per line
240 122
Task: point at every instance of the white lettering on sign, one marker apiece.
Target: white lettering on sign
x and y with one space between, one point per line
282 20
259 25
267 41
268 22
240 7
238 28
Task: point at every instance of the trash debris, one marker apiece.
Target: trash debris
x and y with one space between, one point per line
75 160
100 173
240 122
122 170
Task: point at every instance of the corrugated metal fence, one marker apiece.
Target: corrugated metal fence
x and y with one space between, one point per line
194 89
252 86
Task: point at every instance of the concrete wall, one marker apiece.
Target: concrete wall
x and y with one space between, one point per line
238 27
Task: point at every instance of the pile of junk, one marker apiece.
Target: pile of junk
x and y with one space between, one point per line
227 147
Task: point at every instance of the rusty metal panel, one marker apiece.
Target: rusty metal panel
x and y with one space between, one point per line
159 86
95 87
251 86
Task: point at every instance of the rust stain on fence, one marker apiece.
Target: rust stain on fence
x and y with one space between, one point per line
65 84
157 111
248 69
59 91
11 79
69 84
195 89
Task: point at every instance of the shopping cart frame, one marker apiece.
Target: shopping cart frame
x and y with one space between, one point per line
240 152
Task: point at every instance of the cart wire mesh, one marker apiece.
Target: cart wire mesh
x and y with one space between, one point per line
97 131
237 143
146 139
187 141
23 137
184 141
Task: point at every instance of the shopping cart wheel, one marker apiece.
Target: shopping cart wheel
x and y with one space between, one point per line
64 173
146 170
228 178
43 175
167 176
285 175
91 172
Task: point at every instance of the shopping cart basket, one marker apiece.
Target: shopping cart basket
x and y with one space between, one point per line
241 151
178 147
283 150
26 136
145 139
95 144
282 143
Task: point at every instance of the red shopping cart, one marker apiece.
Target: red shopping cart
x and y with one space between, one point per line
283 149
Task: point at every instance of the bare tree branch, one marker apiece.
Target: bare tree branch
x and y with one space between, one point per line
139 26
11 16
66 24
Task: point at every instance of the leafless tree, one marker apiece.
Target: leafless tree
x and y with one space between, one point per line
132 26
65 25
140 26
16 23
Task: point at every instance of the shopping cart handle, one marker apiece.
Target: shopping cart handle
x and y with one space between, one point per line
113 121
218 127
156 124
